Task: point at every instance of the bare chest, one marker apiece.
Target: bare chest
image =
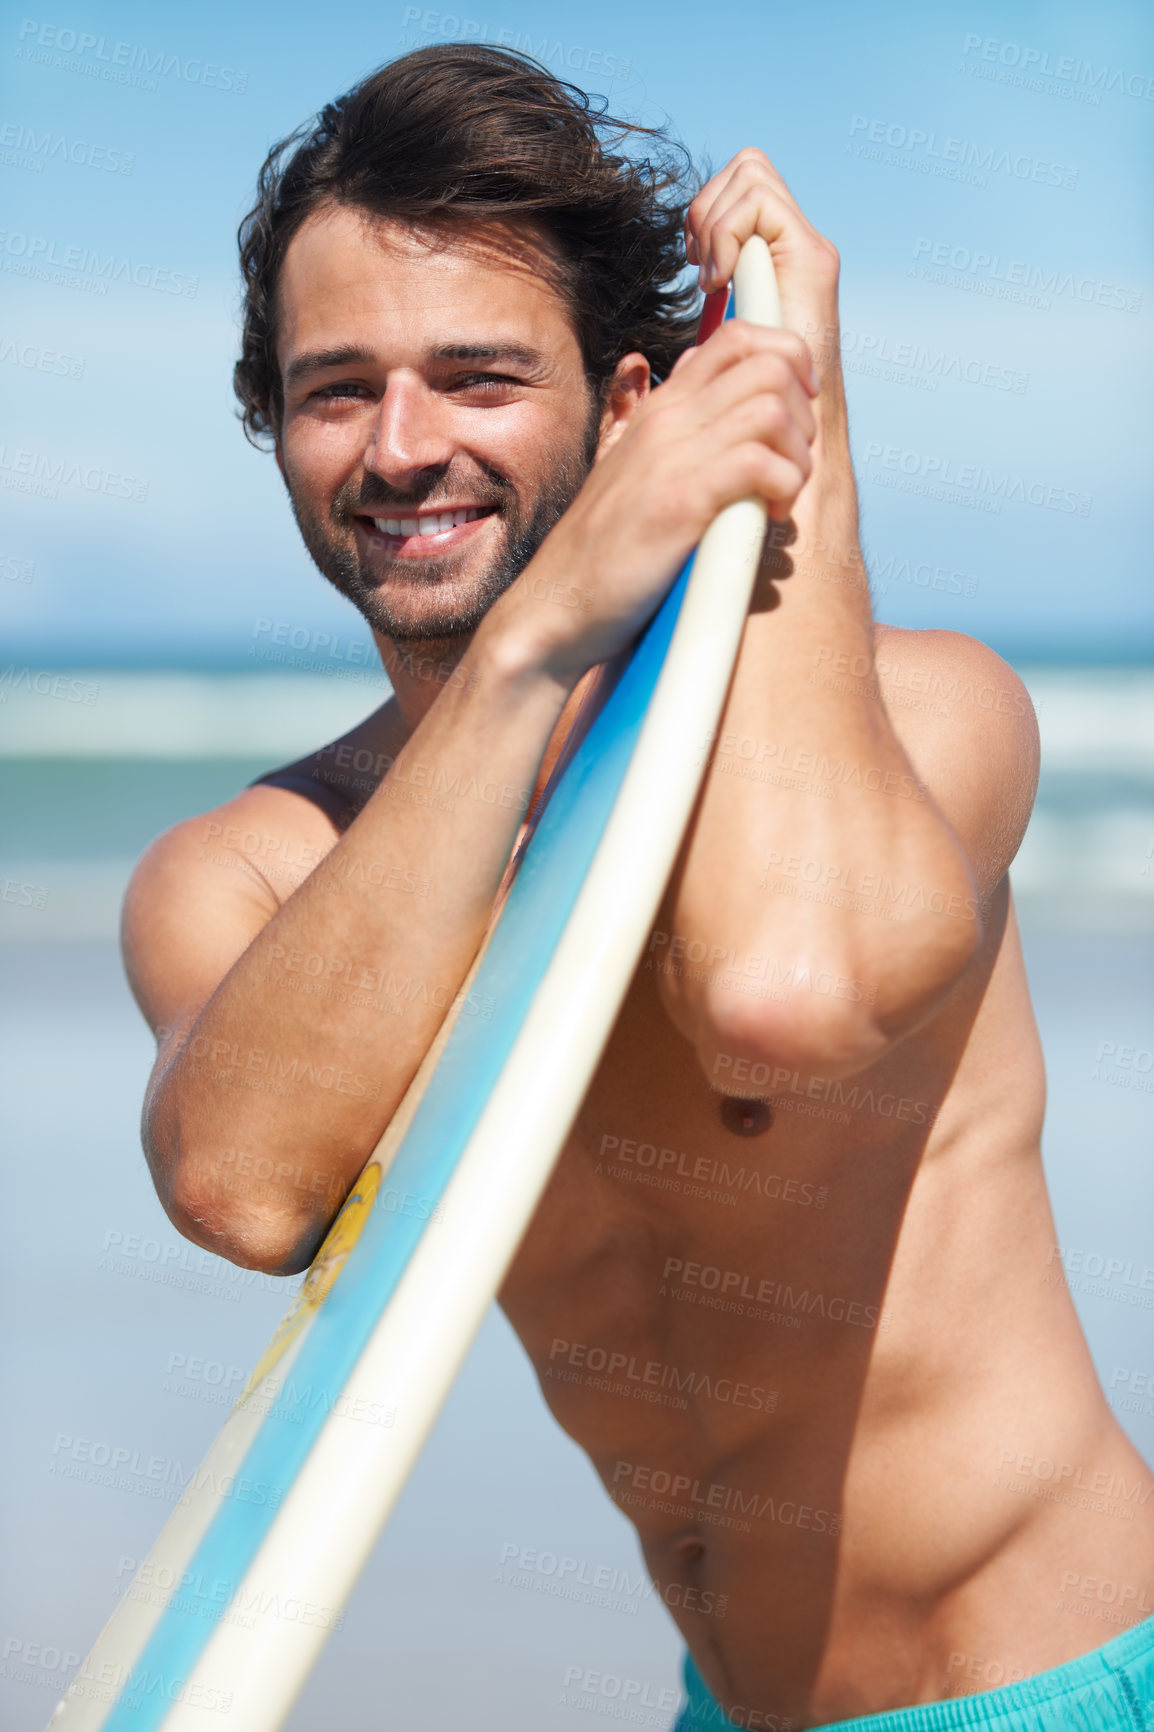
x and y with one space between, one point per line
696 1255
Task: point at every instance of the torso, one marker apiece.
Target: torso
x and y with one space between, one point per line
822 1363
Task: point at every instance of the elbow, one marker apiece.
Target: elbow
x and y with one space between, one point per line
242 1206
749 1047
272 1242
263 1234
831 1022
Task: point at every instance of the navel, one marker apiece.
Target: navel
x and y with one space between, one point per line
746 1118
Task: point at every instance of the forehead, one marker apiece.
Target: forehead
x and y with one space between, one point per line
352 278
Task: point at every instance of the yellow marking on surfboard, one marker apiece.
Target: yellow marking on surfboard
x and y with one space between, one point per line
323 1271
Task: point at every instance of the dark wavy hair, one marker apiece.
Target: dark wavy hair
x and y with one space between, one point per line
466 133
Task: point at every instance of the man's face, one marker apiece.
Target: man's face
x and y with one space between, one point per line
437 418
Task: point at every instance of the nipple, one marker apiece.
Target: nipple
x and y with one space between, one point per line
746 1118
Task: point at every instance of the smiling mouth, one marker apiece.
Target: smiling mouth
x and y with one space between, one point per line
422 524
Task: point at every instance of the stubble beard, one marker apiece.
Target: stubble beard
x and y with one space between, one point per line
442 626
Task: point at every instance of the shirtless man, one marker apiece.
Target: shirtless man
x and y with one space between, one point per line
802 1212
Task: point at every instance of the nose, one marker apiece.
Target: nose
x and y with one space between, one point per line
411 433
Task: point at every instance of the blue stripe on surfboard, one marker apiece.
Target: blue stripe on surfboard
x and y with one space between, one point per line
539 903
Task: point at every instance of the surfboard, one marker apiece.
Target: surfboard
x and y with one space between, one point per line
232 1607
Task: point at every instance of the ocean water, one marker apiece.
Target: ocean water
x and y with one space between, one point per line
506 1581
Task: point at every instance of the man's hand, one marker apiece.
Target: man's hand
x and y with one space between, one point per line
734 420
749 197
748 413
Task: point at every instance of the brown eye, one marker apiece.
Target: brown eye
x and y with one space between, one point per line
484 382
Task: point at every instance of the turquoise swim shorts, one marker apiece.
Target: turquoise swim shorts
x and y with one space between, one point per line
1109 1690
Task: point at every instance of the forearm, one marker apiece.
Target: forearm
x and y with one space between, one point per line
274 1097
809 795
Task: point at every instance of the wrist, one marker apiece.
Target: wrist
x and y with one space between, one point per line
508 653
825 547
821 329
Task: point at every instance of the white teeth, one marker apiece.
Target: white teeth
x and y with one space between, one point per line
432 523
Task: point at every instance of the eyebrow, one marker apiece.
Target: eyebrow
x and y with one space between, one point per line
516 353
320 360
317 360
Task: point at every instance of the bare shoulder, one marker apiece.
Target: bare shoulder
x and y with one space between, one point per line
203 890
966 722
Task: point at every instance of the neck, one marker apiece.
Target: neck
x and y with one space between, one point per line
420 671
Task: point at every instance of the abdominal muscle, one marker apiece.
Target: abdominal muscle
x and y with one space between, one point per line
817 1366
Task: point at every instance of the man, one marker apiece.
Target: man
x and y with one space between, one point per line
792 1284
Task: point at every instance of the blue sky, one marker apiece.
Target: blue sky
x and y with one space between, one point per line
961 157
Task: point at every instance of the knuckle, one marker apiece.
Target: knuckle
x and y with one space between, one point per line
753 463
753 193
733 337
781 474
770 373
699 498
828 253
774 416
799 349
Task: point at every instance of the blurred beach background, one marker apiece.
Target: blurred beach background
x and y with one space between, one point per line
165 640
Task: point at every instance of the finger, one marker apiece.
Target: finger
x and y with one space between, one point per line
748 170
715 429
753 470
751 167
755 210
739 338
768 380
706 407
721 185
736 341
768 420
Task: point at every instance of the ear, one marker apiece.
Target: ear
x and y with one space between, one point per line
627 390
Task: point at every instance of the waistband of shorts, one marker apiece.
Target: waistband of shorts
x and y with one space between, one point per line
1101 1666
